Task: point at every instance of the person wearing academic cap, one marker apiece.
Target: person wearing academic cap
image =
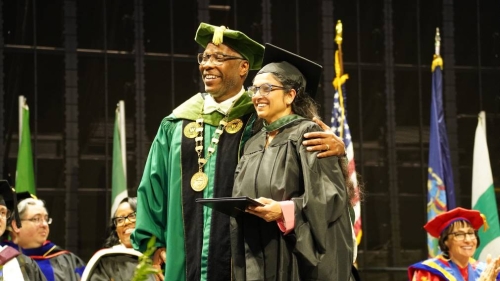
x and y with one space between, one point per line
14 266
303 231
194 155
117 261
458 240
56 263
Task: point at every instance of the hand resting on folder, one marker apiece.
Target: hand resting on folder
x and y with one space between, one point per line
231 206
270 211
265 208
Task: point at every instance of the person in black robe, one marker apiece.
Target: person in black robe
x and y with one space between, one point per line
117 260
56 263
303 231
14 266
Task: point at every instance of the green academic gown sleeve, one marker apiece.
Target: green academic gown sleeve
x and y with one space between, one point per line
159 200
151 195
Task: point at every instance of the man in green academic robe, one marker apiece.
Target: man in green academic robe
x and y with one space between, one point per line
194 155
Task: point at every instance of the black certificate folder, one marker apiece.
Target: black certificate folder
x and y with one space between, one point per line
231 206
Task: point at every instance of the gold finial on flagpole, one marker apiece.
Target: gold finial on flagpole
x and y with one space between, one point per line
339 71
340 77
437 61
437 42
338 35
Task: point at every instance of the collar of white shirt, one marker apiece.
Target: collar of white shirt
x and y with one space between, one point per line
211 105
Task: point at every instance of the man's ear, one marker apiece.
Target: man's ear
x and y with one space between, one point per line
244 68
13 227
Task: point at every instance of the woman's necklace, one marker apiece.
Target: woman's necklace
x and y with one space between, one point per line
200 180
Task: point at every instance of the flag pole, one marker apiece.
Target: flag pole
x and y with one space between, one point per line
341 128
123 140
437 61
22 102
340 78
339 65
440 186
437 42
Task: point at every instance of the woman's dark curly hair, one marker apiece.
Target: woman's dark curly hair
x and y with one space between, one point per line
113 239
448 231
303 104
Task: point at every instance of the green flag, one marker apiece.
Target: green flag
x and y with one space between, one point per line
119 177
25 177
483 194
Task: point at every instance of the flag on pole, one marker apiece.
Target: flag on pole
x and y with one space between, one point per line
483 194
440 187
340 127
119 176
25 176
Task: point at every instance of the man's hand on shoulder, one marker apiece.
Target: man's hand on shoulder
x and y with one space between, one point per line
326 142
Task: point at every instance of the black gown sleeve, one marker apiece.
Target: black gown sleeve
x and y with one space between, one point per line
67 267
324 200
120 267
30 269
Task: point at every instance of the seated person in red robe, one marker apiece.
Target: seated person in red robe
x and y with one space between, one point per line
458 240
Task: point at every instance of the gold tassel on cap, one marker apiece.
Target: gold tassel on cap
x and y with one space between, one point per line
486 226
218 35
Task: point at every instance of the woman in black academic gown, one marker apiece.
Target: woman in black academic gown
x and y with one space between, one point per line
118 260
303 232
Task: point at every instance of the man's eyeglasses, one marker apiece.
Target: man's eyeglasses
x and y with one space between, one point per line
39 220
217 58
120 221
264 89
460 236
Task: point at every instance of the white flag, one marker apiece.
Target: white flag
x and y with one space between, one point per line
483 194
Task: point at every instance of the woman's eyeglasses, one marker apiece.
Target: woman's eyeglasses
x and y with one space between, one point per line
460 236
120 221
264 89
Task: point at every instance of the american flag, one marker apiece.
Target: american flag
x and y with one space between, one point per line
341 128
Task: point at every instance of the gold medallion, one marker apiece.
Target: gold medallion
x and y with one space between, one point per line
199 181
190 130
234 126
